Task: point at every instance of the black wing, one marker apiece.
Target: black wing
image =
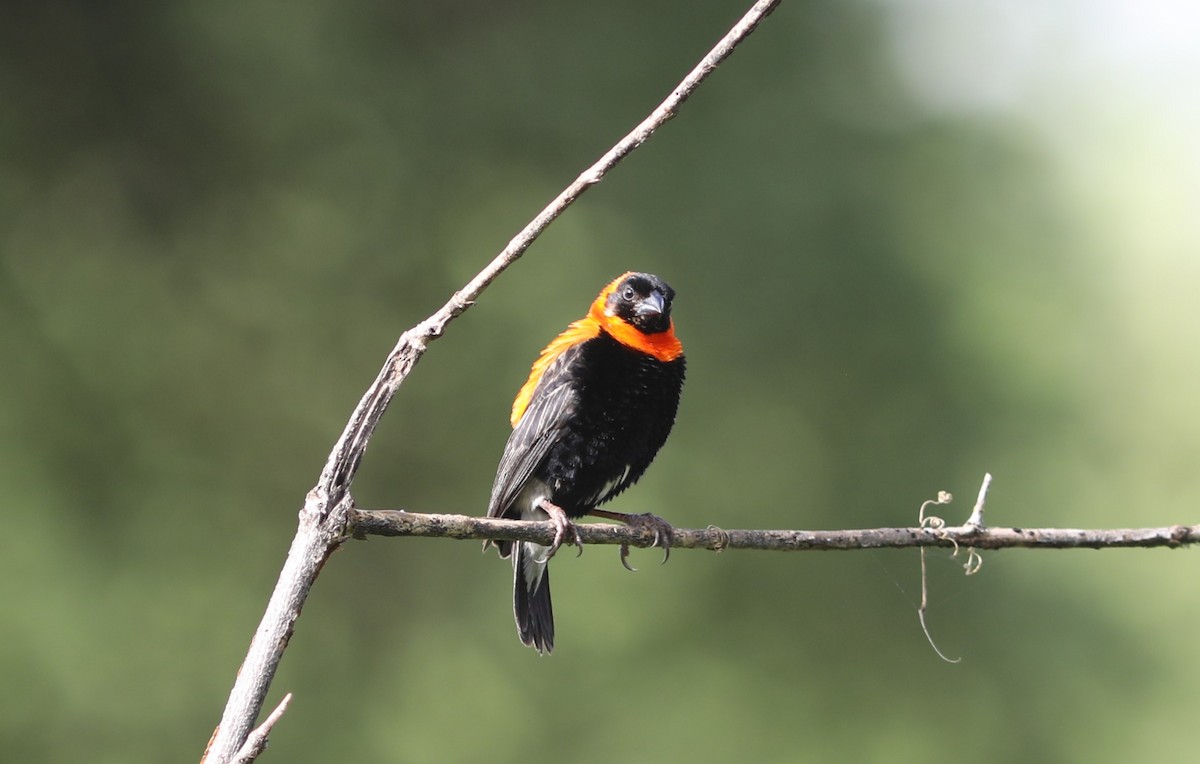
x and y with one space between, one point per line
550 407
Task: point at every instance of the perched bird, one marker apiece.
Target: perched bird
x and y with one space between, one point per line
598 405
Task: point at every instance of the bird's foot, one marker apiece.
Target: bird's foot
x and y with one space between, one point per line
664 534
562 526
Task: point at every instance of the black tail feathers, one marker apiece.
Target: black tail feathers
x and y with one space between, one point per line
531 598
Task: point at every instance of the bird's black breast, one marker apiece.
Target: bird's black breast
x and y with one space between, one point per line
623 409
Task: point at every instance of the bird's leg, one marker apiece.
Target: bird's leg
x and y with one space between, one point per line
562 525
664 534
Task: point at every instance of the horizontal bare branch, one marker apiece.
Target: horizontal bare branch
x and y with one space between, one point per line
401 523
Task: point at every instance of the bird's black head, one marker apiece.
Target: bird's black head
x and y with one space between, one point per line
641 300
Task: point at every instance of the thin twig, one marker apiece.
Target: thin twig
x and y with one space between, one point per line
938 526
401 523
324 517
924 608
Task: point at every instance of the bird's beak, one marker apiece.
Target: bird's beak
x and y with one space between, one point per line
653 305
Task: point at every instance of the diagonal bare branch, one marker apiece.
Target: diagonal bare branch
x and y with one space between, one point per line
325 515
343 463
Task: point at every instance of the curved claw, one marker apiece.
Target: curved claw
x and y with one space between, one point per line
560 536
625 558
561 526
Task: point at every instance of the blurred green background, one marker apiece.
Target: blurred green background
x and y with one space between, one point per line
912 241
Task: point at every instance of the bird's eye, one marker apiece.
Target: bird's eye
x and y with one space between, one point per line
627 293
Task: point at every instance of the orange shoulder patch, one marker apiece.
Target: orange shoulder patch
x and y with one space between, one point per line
580 331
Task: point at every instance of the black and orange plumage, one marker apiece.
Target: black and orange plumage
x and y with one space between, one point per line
598 405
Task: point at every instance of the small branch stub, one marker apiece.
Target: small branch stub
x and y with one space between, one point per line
256 743
976 518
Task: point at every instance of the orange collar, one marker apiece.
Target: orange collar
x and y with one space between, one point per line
664 346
